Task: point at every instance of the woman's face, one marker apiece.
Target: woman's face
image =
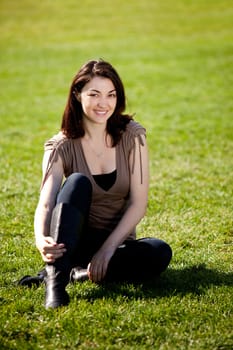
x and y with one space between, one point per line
98 99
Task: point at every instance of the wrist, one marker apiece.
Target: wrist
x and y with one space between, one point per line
109 247
39 240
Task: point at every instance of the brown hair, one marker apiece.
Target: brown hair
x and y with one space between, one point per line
72 125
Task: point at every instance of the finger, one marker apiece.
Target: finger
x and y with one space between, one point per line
56 253
92 272
51 256
97 273
52 243
53 250
88 271
50 240
104 270
100 273
47 259
60 245
99 269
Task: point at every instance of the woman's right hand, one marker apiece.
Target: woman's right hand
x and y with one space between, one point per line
49 249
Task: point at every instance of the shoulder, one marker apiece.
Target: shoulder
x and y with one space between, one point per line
55 141
134 128
59 146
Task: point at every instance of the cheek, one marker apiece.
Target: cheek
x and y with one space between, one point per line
114 104
86 105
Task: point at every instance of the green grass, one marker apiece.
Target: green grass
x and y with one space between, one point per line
175 58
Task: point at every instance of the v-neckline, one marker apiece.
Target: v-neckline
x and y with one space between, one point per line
89 171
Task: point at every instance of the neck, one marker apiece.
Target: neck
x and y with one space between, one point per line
98 141
96 133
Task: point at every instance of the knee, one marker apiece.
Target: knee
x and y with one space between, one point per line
161 249
167 252
81 187
165 255
77 191
80 181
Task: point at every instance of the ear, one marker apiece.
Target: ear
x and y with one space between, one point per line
77 95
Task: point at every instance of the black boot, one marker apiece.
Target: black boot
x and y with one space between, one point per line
66 227
56 282
33 281
78 274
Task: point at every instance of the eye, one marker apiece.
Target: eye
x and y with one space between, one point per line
113 95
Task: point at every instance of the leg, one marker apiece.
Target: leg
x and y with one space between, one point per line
66 227
76 191
89 245
139 260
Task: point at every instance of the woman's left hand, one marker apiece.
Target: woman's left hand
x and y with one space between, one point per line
98 266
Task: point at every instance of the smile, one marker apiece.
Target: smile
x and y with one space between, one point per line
101 112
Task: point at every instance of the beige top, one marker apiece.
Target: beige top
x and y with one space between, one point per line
107 207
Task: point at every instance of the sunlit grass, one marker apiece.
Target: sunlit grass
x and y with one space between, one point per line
175 59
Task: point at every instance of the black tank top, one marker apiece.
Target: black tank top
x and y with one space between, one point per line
105 181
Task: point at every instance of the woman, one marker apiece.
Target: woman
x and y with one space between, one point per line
86 226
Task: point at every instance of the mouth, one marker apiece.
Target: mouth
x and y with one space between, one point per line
101 113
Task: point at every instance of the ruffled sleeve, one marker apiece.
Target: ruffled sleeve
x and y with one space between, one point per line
135 130
55 146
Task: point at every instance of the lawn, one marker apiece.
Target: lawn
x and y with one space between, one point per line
175 58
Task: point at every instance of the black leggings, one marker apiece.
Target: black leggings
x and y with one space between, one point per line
132 261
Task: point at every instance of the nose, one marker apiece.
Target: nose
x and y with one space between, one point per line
102 102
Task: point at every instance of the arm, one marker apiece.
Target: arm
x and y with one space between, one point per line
134 213
49 249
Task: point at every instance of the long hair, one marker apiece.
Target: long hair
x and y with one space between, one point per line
72 121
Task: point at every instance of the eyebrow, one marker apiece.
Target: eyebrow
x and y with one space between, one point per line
100 91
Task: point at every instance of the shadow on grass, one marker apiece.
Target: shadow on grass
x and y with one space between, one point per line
191 280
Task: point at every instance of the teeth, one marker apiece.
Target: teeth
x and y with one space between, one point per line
100 112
